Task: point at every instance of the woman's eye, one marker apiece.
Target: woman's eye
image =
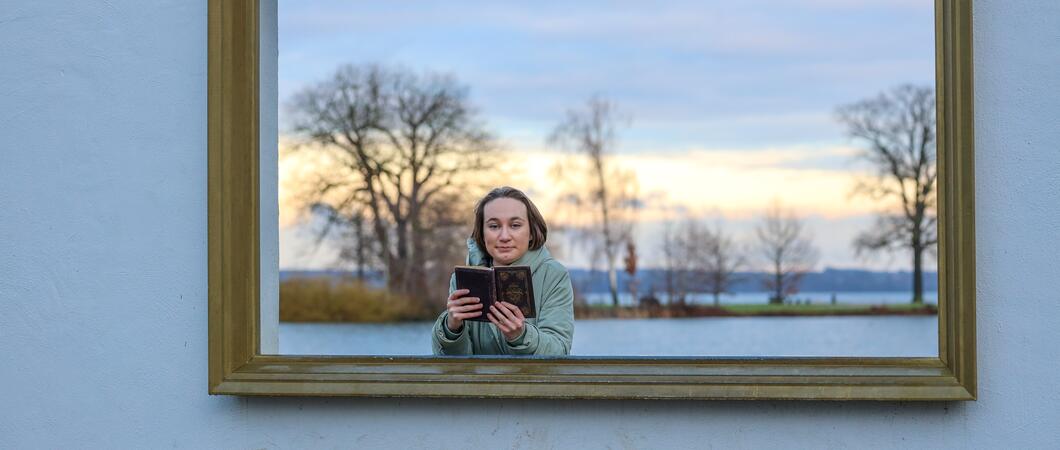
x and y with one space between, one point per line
492 226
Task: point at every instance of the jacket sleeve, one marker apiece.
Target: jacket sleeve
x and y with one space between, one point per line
554 330
444 341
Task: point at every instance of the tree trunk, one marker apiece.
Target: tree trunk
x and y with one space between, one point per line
362 259
416 283
778 287
671 291
612 277
918 275
612 281
719 284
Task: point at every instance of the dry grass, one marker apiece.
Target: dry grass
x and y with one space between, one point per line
345 300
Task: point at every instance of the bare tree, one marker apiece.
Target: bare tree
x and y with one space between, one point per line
698 258
787 248
591 132
898 130
720 259
674 265
694 241
400 142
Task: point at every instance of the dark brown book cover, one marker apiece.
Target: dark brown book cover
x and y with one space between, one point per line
512 284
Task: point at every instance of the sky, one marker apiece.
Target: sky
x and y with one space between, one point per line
718 93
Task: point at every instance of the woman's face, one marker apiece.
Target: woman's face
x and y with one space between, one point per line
505 230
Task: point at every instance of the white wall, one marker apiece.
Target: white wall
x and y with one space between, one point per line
268 166
103 266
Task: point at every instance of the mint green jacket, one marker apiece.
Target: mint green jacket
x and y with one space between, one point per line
550 333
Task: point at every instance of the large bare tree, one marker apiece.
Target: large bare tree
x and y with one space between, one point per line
612 198
897 130
402 146
788 250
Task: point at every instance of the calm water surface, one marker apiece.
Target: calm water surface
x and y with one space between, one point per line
708 336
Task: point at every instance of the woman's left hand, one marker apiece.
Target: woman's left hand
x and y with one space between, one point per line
508 318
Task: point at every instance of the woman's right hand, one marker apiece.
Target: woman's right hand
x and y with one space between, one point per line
461 308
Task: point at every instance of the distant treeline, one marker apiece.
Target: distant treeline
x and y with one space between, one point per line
828 280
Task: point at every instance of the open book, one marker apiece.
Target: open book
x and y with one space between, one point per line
512 284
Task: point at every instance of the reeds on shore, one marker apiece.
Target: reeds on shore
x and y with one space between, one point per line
319 299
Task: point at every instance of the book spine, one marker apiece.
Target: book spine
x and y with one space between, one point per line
493 289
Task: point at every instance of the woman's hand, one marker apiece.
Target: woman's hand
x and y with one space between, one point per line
508 318
461 308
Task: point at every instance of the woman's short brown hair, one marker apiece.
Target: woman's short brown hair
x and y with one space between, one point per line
538 228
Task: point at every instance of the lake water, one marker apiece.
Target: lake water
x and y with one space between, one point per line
708 336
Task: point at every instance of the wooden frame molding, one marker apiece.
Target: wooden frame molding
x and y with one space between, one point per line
237 367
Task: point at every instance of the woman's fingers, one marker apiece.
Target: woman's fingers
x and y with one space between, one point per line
505 324
494 320
510 322
505 317
461 308
465 308
507 313
518 313
463 301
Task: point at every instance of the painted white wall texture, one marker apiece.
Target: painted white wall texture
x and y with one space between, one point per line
103 267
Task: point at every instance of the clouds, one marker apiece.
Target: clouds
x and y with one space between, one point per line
734 183
768 26
663 61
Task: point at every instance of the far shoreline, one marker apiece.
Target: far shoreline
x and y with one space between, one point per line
694 311
752 310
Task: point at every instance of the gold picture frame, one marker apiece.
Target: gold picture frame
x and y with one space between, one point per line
237 367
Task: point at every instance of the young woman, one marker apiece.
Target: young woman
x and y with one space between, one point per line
509 230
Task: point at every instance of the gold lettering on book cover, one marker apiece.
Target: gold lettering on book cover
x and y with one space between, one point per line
513 290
